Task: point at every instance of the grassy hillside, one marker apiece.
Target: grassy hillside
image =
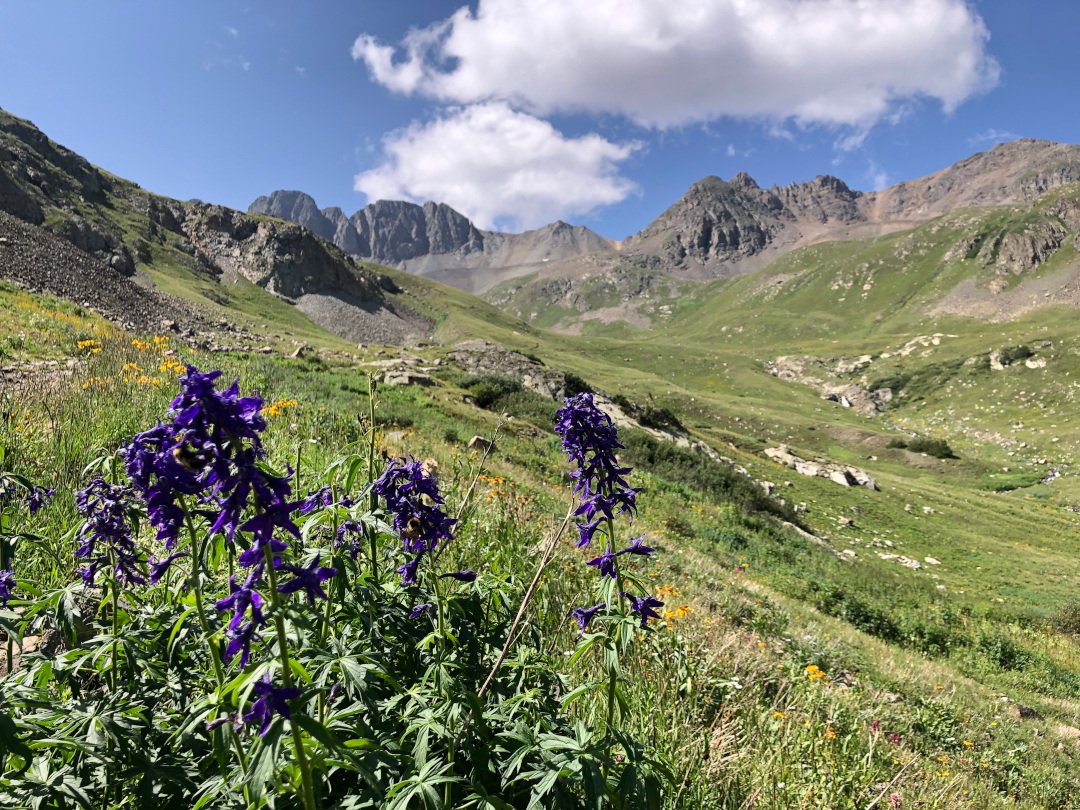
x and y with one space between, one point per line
786 670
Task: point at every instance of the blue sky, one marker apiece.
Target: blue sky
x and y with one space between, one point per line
517 112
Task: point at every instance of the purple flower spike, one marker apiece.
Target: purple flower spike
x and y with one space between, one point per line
38 498
420 610
272 700
412 496
7 587
644 605
308 579
584 615
158 568
106 529
591 443
460 576
605 563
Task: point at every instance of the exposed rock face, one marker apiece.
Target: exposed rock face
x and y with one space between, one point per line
101 224
482 356
842 474
433 239
715 221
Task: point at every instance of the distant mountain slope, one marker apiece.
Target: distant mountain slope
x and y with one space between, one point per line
721 229
231 266
434 240
717 226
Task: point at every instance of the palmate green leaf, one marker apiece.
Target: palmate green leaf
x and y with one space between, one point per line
11 744
8 626
546 783
423 786
317 731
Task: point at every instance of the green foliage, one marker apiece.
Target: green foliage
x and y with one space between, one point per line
695 470
938 448
486 389
1011 354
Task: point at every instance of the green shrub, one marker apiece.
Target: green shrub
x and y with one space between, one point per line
487 388
938 448
1011 354
1067 618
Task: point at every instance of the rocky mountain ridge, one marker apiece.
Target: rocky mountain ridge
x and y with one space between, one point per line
719 228
433 240
119 235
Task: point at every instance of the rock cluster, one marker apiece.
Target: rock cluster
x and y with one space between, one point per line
480 356
842 474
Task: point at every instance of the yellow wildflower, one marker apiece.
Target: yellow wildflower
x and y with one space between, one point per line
277 407
814 673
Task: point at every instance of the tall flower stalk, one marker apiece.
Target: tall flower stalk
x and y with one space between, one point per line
210 452
591 443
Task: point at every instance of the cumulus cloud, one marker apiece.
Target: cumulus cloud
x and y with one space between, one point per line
500 167
664 63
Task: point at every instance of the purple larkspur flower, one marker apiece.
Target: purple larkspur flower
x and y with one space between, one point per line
7 587
323 496
412 497
408 570
591 443
209 450
159 568
584 615
420 610
104 532
308 579
38 498
349 532
643 605
605 563
246 603
637 546
460 576
271 700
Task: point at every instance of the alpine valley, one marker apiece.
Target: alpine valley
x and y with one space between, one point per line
853 415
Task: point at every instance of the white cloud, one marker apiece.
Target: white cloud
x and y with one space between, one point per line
878 177
232 32
669 62
992 136
500 167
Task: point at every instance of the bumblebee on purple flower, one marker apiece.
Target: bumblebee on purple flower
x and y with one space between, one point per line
205 460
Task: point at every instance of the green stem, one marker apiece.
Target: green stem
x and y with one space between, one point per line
613 675
215 654
371 478
6 566
286 677
115 624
